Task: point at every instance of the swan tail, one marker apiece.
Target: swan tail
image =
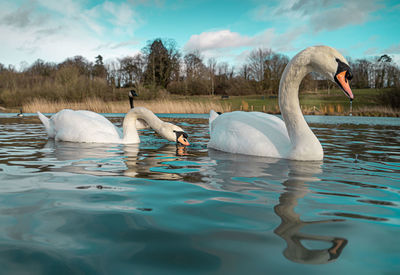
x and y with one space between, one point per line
213 115
46 122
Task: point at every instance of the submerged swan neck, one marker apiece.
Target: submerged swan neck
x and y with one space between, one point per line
305 143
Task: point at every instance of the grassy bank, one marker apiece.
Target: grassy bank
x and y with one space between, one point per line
331 102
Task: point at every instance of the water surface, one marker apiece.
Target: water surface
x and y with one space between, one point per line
152 209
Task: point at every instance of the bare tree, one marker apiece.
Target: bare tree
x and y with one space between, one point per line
274 66
194 65
245 72
114 73
257 64
211 67
132 69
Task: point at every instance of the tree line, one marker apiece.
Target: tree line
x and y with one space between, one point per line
160 69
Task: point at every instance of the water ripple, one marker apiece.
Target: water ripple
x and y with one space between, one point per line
154 208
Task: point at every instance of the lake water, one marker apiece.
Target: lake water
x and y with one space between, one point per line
68 208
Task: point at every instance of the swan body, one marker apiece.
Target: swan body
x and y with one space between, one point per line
260 134
87 126
230 132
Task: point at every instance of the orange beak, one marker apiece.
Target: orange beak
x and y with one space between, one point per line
344 84
182 140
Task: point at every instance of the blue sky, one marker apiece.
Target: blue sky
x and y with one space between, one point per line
53 30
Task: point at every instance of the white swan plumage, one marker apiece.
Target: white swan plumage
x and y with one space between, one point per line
140 123
87 126
260 134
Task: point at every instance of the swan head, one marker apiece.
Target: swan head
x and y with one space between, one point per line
181 138
131 94
174 133
331 64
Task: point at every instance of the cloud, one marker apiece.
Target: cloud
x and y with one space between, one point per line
48 32
232 45
393 49
151 3
120 15
372 51
350 13
24 16
296 21
320 15
66 8
54 30
216 40
113 46
226 39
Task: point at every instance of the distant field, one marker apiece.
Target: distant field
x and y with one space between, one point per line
364 97
321 102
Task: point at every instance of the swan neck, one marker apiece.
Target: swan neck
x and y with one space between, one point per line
129 124
303 140
130 134
152 120
289 96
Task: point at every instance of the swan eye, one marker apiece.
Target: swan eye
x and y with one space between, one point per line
343 67
349 75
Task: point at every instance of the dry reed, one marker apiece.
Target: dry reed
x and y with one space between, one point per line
99 106
188 106
385 111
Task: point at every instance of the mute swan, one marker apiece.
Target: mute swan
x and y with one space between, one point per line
140 123
87 126
260 134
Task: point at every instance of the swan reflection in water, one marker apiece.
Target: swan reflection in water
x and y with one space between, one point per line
231 172
291 223
111 159
297 175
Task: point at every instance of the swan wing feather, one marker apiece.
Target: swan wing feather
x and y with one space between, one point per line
252 133
83 126
47 125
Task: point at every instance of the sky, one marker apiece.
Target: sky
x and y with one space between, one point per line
53 30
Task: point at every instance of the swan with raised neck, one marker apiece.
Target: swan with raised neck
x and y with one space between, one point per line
265 135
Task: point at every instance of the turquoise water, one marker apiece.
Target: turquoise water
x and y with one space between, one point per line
69 208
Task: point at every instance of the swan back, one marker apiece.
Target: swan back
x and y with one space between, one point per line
84 126
251 133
